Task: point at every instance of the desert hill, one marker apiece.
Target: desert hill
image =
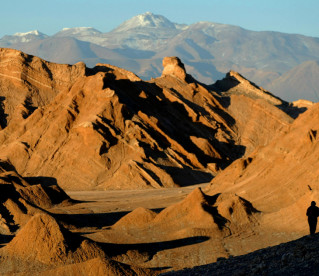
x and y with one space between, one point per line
280 178
33 241
197 229
105 128
45 247
20 200
298 82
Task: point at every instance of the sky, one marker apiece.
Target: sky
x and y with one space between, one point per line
50 16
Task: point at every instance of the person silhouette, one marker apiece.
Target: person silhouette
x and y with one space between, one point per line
312 213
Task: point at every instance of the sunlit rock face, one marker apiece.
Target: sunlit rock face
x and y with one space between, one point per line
105 128
174 66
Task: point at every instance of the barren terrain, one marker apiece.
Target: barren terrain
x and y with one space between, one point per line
128 200
160 175
172 248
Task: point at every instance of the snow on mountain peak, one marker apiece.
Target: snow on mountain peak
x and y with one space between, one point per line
148 20
23 37
78 31
34 32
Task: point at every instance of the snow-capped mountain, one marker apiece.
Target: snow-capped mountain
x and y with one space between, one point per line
143 32
78 32
87 34
22 37
148 20
146 31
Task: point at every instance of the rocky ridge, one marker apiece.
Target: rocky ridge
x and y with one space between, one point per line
169 131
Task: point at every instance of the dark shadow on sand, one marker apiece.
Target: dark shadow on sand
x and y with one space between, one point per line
89 220
5 239
93 220
283 259
152 248
51 187
43 180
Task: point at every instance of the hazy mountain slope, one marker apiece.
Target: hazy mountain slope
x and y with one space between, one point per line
9 40
228 47
77 32
68 50
301 82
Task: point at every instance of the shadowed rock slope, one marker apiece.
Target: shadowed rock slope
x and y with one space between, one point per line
20 200
105 128
301 82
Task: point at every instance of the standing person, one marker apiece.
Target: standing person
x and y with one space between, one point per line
312 213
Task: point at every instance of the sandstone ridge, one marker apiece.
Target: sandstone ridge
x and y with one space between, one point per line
105 128
236 83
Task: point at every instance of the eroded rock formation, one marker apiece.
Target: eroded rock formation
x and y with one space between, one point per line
105 128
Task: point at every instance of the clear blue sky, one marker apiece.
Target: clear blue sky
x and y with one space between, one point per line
50 16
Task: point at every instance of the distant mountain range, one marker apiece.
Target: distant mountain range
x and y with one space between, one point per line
285 64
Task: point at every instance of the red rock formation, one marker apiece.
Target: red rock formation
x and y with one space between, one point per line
34 81
174 66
